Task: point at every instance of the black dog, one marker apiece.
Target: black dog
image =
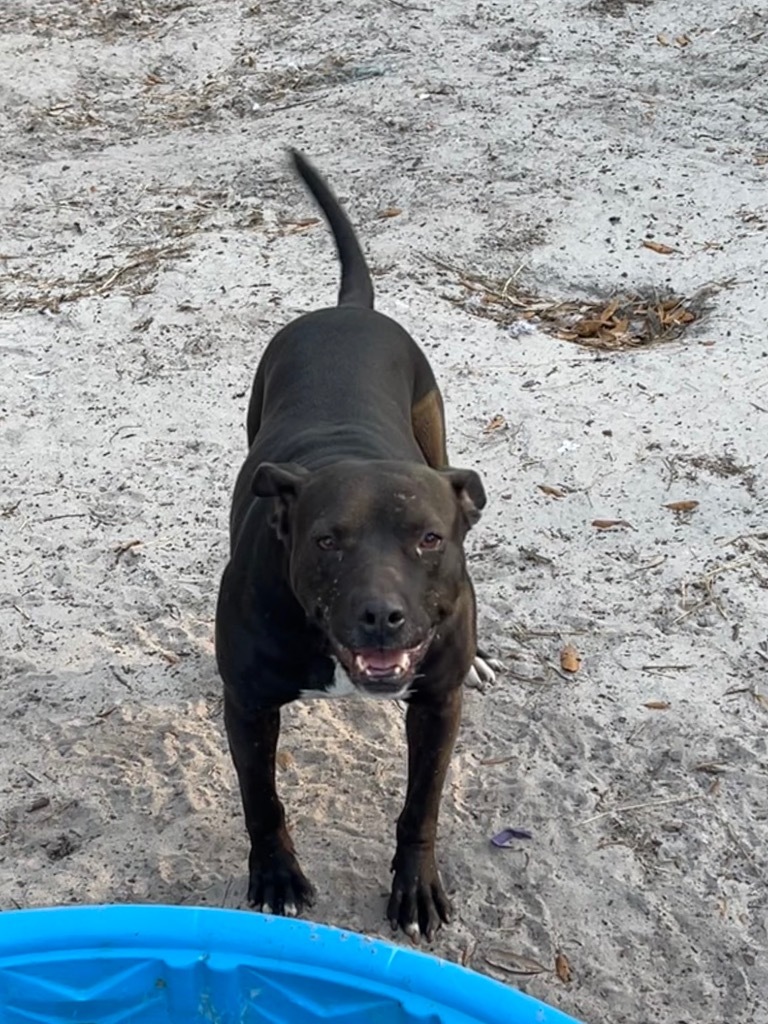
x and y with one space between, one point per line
347 572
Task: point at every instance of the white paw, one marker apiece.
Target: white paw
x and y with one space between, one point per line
483 672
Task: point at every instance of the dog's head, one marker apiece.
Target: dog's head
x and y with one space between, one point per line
375 557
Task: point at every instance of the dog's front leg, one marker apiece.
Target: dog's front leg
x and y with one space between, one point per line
418 902
276 883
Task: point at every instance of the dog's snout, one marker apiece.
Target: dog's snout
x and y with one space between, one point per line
382 617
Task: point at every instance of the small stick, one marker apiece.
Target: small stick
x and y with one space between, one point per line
640 807
647 566
64 515
120 678
121 549
409 7
665 668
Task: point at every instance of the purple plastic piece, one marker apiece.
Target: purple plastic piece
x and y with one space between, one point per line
505 837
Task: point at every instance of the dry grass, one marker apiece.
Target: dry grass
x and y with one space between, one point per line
623 320
157 101
108 19
23 290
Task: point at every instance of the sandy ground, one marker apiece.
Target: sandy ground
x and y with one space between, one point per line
152 241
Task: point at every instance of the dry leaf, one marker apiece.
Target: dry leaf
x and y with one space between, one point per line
496 423
660 247
682 41
588 328
657 705
390 211
570 659
682 506
678 316
284 759
608 524
563 967
662 39
513 963
761 159
610 310
553 492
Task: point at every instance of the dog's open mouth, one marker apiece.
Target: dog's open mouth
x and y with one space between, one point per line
383 672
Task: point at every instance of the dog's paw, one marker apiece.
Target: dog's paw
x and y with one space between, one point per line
418 903
277 885
483 671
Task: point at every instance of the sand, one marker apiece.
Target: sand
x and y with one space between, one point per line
153 239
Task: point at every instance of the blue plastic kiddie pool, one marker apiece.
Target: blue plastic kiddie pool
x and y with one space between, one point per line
182 965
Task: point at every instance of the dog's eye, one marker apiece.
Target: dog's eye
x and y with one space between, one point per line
431 541
326 543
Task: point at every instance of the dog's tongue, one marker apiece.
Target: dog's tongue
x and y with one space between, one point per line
374 662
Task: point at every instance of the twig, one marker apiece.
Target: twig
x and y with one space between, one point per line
665 668
409 7
121 549
120 679
65 515
760 535
648 565
650 804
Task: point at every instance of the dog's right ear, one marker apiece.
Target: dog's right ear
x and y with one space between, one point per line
282 481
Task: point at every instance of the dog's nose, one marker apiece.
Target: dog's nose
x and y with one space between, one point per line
382 617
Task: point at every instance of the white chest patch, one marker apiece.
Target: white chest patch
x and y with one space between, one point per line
342 686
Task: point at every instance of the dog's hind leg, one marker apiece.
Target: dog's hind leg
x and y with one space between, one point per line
428 421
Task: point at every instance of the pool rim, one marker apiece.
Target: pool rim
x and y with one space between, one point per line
308 946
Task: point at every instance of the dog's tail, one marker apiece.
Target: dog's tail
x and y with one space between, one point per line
356 287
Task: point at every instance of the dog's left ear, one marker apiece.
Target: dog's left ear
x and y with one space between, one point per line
282 481
278 480
469 491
